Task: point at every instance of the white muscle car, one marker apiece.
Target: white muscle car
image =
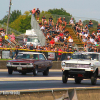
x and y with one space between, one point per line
82 65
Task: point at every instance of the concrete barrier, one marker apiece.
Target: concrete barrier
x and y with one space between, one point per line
55 94
56 65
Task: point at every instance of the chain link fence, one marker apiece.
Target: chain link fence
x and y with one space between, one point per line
85 20
10 30
35 26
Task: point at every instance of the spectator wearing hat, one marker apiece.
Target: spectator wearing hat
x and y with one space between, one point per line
64 23
33 12
72 22
80 23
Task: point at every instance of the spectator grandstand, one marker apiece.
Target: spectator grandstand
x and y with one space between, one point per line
59 35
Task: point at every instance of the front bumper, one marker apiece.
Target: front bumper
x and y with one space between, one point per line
20 68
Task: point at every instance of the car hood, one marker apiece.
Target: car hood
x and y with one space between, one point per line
23 60
77 61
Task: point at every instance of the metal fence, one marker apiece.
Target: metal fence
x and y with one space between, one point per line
50 55
10 30
35 26
85 20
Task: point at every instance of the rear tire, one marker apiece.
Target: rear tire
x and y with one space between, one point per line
93 80
46 72
10 71
77 80
35 71
64 78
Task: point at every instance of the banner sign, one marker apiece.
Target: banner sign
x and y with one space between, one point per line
51 55
5 54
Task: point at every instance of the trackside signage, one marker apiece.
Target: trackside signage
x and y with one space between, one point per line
5 54
51 55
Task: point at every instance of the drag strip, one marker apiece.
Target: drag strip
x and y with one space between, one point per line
16 81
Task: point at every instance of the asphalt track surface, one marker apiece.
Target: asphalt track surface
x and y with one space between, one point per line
17 81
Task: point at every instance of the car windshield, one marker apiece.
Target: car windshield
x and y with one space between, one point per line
81 56
85 56
33 40
27 56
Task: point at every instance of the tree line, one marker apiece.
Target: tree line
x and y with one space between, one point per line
21 22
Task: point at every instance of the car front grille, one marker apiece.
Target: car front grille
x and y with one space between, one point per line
20 63
78 65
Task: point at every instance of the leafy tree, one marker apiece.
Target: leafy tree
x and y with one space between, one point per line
56 13
14 15
22 23
25 24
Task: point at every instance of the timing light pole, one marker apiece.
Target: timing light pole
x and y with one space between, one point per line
8 17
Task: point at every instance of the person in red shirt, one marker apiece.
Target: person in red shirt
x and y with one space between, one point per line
33 12
61 34
52 42
59 54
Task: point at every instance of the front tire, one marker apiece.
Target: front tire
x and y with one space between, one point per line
64 78
10 71
77 80
35 71
46 72
93 80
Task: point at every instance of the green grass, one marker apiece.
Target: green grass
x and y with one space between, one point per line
5 59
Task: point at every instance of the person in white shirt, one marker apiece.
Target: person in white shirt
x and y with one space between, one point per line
56 39
72 22
91 40
98 33
86 35
42 28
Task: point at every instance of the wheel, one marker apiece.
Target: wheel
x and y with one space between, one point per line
64 78
23 73
10 71
77 80
93 80
46 72
35 71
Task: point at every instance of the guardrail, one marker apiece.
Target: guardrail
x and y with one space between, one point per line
52 94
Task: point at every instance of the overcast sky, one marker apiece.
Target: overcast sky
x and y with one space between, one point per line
77 8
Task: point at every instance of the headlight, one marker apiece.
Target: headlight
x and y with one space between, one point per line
92 65
63 63
8 63
31 63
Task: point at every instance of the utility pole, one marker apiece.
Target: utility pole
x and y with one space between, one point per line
8 17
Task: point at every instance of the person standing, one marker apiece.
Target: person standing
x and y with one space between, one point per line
37 14
33 12
59 54
72 22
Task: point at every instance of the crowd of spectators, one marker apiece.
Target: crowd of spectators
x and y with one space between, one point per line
91 41
57 35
